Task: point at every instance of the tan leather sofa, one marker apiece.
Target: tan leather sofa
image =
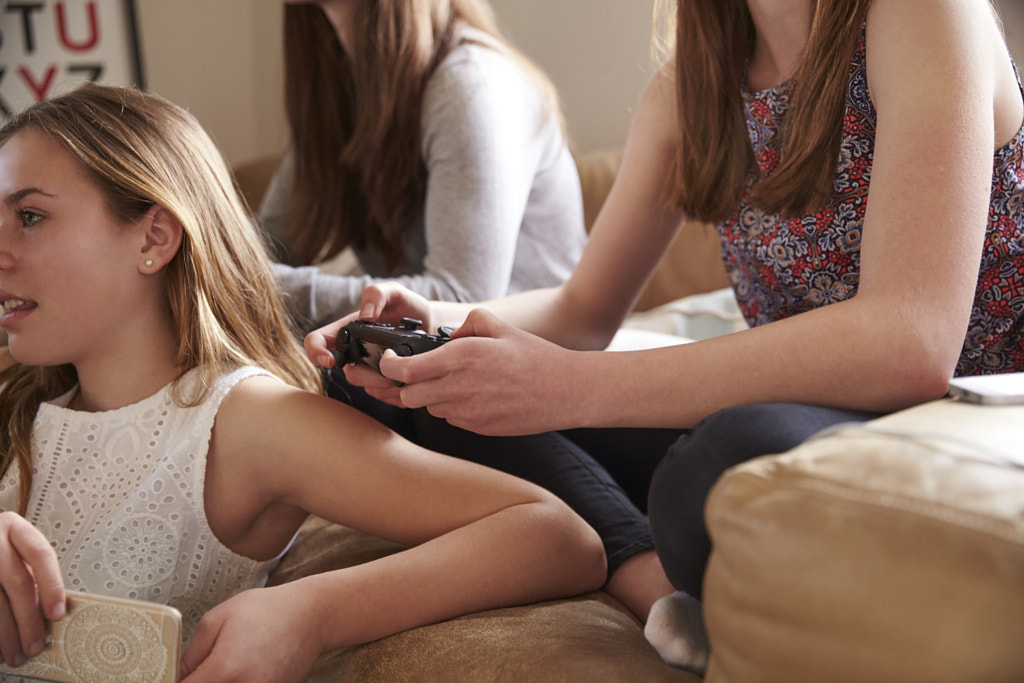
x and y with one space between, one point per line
893 551
587 638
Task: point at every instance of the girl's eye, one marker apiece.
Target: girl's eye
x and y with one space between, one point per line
28 217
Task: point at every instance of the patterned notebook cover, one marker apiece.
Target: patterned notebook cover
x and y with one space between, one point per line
108 639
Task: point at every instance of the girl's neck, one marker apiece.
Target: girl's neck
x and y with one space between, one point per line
781 29
97 397
142 363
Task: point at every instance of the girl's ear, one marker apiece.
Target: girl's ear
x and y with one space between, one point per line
162 239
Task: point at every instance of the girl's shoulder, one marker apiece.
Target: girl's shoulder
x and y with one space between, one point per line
958 55
481 86
194 383
477 61
252 395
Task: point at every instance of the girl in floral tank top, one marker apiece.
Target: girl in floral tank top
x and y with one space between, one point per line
782 265
861 160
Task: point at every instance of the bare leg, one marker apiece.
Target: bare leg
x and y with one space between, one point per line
639 582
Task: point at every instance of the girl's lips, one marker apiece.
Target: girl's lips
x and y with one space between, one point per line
14 309
15 304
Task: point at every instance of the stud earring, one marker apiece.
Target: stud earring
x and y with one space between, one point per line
149 263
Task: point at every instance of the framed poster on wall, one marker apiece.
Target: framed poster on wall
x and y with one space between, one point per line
51 46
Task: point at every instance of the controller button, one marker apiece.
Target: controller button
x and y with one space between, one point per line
445 331
411 323
404 350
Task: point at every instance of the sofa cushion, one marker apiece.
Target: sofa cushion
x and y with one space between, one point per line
891 551
588 638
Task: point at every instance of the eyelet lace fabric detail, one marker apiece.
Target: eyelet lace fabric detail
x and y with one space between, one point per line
120 496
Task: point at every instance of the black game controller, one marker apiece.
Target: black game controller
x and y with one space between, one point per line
364 342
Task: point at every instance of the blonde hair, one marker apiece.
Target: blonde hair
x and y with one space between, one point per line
355 118
712 41
221 294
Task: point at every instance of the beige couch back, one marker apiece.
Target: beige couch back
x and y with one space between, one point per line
692 265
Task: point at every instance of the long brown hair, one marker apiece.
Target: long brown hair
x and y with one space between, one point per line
355 119
141 151
713 39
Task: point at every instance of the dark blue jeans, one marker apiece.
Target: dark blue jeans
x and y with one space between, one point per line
682 481
603 475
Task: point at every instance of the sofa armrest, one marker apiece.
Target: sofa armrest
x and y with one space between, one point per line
889 551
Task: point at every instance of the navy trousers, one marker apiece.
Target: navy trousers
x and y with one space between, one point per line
682 481
603 475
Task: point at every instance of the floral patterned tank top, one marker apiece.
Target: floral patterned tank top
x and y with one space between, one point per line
780 266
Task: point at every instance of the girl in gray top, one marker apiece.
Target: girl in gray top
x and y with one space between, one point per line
465 194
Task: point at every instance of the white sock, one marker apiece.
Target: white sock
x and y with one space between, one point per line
675 627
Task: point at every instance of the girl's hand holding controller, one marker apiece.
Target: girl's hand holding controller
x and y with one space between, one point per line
30 579
497 380
376 384
386 303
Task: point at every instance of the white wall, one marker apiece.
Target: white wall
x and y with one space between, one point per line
597 53
222 60
1012 12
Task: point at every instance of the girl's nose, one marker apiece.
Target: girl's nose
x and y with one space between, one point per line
6 257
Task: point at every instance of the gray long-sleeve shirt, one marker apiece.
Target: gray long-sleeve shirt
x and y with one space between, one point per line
503 209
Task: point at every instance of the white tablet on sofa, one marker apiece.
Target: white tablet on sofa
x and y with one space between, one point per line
1003 389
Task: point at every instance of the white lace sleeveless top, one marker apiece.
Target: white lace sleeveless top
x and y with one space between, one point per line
120 496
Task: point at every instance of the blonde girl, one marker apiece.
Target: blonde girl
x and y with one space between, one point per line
158 392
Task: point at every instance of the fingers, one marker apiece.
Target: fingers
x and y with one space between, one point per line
30 576
374 302
378 301
375 384
482 323
391 301
11 650
198 648
429 379
40 557
441 361
414 369
320 343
